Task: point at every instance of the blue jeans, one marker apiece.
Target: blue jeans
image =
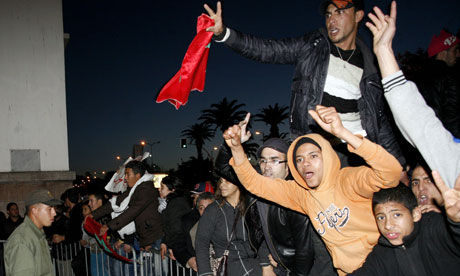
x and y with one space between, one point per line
100 263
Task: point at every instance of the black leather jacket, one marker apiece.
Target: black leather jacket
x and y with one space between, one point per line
289 235
310 55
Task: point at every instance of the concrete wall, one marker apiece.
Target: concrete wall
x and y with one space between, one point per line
16 186
32 83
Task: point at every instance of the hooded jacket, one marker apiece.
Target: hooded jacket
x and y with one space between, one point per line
340 207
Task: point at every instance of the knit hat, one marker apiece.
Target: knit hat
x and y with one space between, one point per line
441 42
277 144
303 140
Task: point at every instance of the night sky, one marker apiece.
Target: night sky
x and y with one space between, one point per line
121 53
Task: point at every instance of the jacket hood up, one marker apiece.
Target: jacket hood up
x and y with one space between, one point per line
331 162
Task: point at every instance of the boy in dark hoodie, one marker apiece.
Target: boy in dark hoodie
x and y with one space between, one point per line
412 244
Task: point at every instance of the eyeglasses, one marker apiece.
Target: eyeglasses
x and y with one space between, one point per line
271 162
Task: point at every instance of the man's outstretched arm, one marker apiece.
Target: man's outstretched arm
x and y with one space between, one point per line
278 51
265 187
414 118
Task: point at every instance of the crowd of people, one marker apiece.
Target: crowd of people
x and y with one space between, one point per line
340 198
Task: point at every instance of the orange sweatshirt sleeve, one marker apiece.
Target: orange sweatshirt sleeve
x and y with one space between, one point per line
384 172
286 193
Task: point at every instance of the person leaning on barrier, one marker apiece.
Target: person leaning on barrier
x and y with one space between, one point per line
26 250
141 207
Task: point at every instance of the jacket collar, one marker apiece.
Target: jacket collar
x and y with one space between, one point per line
38 232
368 57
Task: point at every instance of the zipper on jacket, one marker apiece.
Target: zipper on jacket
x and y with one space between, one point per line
277 255
245 226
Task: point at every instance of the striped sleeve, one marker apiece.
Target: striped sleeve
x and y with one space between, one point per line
393 80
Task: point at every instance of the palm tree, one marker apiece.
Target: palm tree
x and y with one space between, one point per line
198 134
273 116
223 114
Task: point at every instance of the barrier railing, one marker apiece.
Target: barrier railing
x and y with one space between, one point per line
74 259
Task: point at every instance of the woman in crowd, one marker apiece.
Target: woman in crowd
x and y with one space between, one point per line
174 205
222 226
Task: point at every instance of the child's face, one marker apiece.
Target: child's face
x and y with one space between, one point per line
86 210
395 221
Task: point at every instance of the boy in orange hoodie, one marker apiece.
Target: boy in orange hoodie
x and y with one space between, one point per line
338 201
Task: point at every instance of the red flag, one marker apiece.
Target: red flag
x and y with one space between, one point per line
191 75
93 227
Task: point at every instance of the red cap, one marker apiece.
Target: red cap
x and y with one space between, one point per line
203 187
441 42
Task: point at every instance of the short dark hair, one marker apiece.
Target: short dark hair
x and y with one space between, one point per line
9 205
420 163
72 194
400 194
172 182
98 195
205 196
137 166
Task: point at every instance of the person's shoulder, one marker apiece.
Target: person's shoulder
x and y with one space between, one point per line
213 207
21 235
145 187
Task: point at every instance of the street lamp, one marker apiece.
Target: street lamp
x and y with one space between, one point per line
143 143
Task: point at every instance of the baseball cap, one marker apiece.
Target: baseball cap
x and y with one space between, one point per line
341 4
277 144
42 196
203 187
441 42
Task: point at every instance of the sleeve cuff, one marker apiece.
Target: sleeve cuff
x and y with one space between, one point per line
393 80
223 36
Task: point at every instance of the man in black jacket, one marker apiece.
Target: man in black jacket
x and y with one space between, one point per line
294 246
332 68
439 81
13 220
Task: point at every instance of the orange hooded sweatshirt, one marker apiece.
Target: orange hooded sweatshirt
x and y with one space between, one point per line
340 208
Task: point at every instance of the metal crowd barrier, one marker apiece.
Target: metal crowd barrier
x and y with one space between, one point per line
76 260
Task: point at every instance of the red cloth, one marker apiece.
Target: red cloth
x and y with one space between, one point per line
94 228
191 75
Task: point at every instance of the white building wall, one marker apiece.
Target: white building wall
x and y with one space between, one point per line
32 82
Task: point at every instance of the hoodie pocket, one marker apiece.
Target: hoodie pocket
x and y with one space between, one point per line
349 255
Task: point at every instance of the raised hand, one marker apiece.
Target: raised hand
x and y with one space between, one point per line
218 27
383 28
245 134
451 196
328 119
232 136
